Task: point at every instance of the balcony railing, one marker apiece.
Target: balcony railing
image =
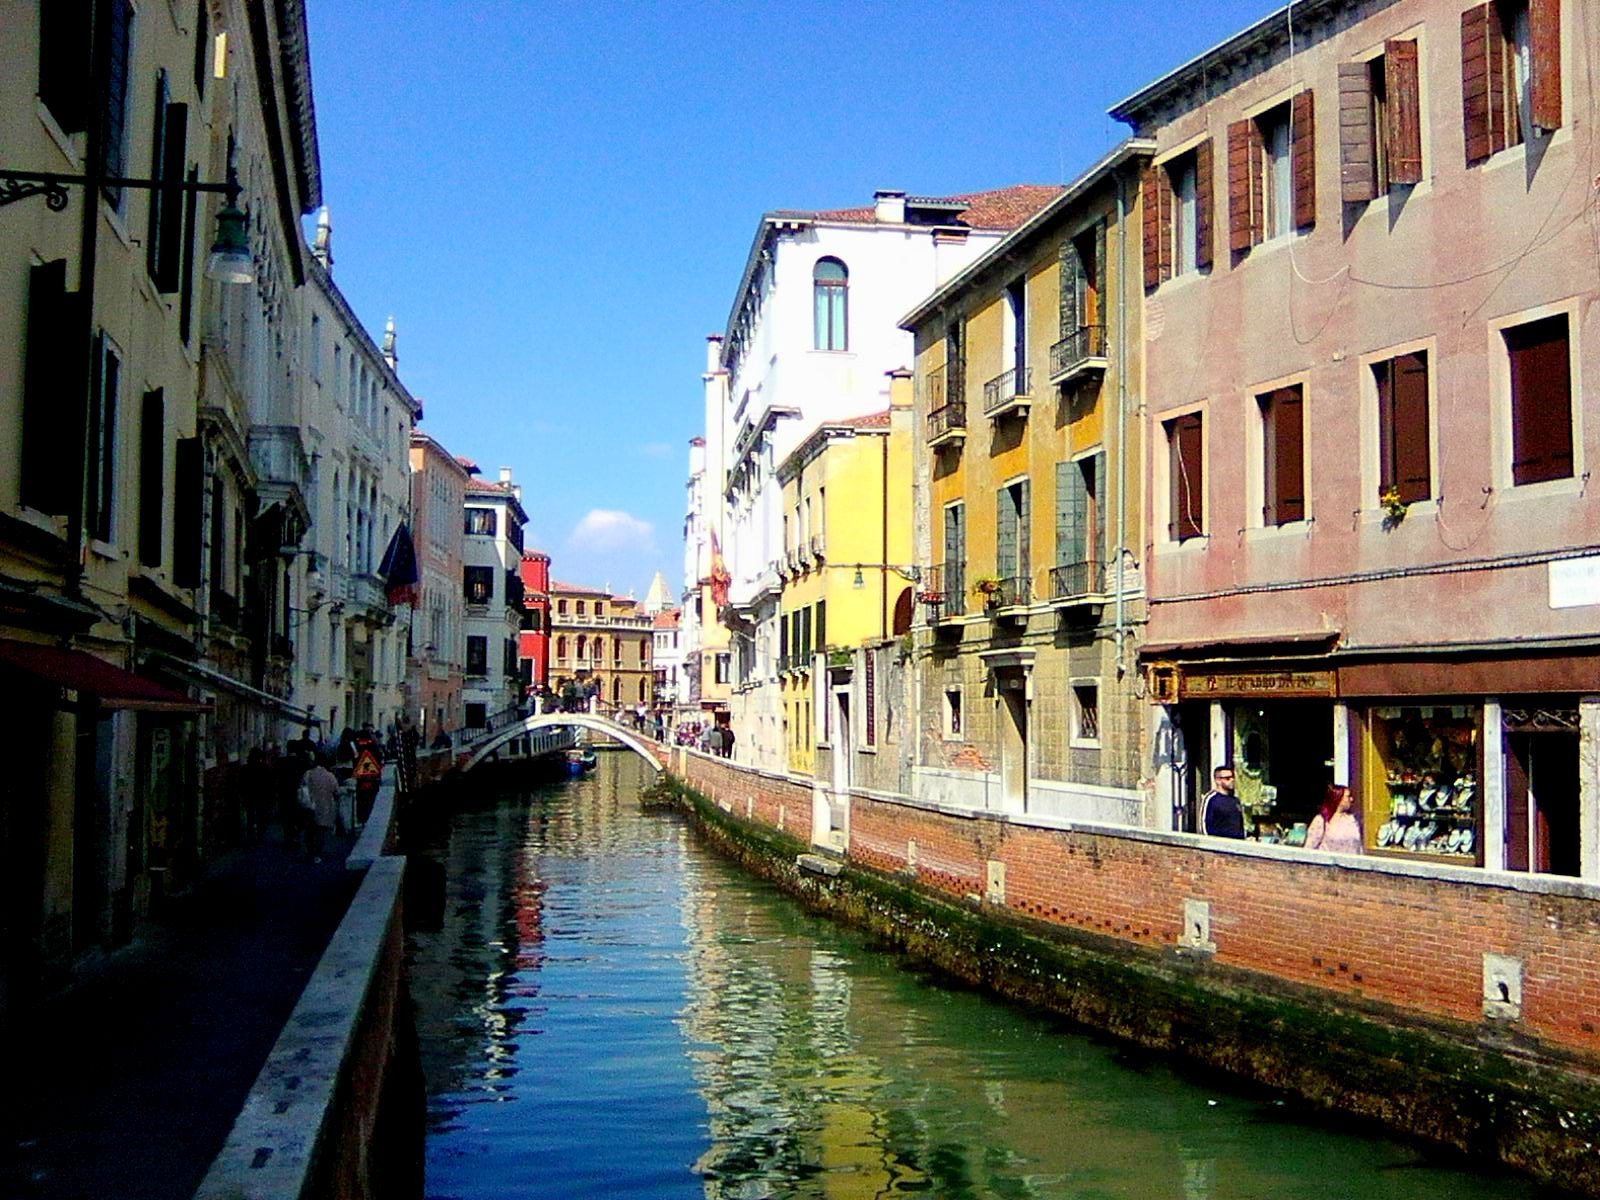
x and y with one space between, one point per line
1070 581
1007 391
1078 352
947 423
944 591
1011 591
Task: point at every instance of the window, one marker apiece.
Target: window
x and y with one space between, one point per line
477 655
1016 348
1272 173
1510 74
561 608
955 559
152 478
1177 216
103 419
1185 478
1283 467
952 712
477 584
1541 401
1086 713
1083 264
1404 466
477 714
164 244
583 608
830 289
508 657
1080 527
52 371
561 648
599 608
722 666
1011 540
479 521
114 117
1380 123
64 63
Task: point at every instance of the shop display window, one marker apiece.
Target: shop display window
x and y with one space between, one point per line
1283 763
1423 770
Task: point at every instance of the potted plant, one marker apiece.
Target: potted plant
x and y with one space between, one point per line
1393 506
987 587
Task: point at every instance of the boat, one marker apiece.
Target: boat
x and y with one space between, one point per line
581 760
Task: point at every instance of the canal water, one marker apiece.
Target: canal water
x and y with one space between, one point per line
607 1009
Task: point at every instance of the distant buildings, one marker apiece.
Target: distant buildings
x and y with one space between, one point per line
438 620
491 583
533 637
602 646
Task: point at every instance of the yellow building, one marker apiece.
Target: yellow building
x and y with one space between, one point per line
846 566
1029 513
600 650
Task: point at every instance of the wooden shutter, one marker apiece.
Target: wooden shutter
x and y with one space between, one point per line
188 502
1005 535
186 267
1241 165
64 62
1203 208
47 392
1544 36
1098 486
1413 473
1071 277
1071 509
1358 175
167 254
1285 465
1188 481
1154 233
1402 112
1303 159
114 116
1024 530
1093 308
152 477
1541 401
1475 118
822 624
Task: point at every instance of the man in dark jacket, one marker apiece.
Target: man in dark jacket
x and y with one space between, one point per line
1220 814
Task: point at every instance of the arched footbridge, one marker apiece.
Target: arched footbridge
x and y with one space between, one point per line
650 751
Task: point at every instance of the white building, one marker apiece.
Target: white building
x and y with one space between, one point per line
813 331
491 585
350 649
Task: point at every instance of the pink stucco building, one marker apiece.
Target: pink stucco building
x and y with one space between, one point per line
438 634
1373 557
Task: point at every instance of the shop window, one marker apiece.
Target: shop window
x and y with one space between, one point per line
1422 792
1541 400
1271 173
1086 714
1185 477
1380 123
1510 74
1282 753
1283 469
1404 460
1178 215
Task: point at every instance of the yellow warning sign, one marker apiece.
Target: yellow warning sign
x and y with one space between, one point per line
367 766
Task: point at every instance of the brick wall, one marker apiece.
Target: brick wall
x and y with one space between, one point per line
775 801
1401 935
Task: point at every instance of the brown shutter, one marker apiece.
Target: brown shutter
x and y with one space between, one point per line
1358 176
152 478
1544 36
1202 205
48 389
1188 483
1150 187
188 503
1240 165
1496 66
1541 401
1285 464
1166 203
1475 122
168 273
1303 158
1412 472
1402 114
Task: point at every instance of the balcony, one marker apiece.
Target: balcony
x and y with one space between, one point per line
1007 393
819 548
1078 354
366 599
943 591
947 425
1078 583
1004 596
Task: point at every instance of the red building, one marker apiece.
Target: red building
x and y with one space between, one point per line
533 642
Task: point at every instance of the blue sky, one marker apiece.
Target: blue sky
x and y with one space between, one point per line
555 201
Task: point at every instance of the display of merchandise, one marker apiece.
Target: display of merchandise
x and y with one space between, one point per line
1428 816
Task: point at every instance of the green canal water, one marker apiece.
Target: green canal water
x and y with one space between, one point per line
606 1009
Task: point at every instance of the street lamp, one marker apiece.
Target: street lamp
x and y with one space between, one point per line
229 261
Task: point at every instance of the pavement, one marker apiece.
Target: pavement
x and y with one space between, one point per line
127 1084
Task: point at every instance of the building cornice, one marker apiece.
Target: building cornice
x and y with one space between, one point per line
330 289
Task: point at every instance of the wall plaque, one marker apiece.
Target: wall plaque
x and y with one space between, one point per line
1236 685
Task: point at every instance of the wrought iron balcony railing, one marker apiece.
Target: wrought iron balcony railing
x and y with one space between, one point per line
1011 591
943 590
1006 390
1071 580
947 422
1080 351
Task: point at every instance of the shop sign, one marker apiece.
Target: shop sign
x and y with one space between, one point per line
1232 685
1575 582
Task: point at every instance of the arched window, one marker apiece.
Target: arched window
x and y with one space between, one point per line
561 647
829 285
616 691
641 691
582 641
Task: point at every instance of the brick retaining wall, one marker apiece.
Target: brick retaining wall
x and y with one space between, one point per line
777 801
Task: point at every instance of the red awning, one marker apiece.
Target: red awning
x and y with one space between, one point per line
111 685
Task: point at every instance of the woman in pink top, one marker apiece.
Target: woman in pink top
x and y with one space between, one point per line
1335 828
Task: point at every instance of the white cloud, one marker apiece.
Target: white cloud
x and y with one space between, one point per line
606 530
656 449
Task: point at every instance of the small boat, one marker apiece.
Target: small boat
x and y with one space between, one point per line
582 760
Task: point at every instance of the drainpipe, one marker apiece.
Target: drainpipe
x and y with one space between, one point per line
1122 413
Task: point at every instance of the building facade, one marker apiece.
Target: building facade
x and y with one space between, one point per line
601 651
1029 514
437 634
533 637
707 661
812 332
1372 546
491 587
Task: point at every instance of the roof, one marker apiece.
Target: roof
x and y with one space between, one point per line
581 589
668 618
504 492
467 464
998 208
877 420
811 445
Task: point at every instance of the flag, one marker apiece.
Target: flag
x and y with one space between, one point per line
721 581
399 568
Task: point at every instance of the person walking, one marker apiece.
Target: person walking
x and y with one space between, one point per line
1335 828
1220 813
321 801
727 741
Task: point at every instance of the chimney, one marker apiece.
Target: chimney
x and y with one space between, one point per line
713 353
322 250
389 355
891 206
899 388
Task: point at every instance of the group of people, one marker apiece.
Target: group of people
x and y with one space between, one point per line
715 739
1334 828
302 784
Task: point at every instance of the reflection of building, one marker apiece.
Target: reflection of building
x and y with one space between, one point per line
1028 513
601 649
1373 554
438 636
492 589
533 638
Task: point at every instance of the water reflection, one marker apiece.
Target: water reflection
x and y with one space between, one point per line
610 1011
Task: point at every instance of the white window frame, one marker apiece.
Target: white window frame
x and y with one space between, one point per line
1076 738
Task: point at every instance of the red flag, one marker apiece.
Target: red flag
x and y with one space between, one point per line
721 581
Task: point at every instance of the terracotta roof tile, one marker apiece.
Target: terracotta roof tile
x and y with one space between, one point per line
667 618
999 208
877 420
582 588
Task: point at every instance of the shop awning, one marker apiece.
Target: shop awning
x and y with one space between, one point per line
112 686
207 677
1267 645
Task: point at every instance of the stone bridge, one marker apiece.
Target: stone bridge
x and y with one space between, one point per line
651 752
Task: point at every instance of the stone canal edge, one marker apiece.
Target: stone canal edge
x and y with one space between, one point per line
1474 1089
